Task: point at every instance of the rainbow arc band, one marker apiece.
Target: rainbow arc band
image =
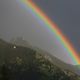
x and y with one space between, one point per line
53 28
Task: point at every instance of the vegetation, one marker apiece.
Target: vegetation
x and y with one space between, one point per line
21 63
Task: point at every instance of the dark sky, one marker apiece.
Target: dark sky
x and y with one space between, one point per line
16 20
66 14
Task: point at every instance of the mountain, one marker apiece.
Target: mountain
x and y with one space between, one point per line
23 63
78 66
21 42
77 69
58 62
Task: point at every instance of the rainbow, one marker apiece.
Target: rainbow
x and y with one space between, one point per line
35 10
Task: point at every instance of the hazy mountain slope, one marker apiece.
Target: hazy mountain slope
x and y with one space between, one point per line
78 66
21 42
58 62
22 63
77 69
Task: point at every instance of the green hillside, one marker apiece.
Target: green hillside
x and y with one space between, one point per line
22 63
